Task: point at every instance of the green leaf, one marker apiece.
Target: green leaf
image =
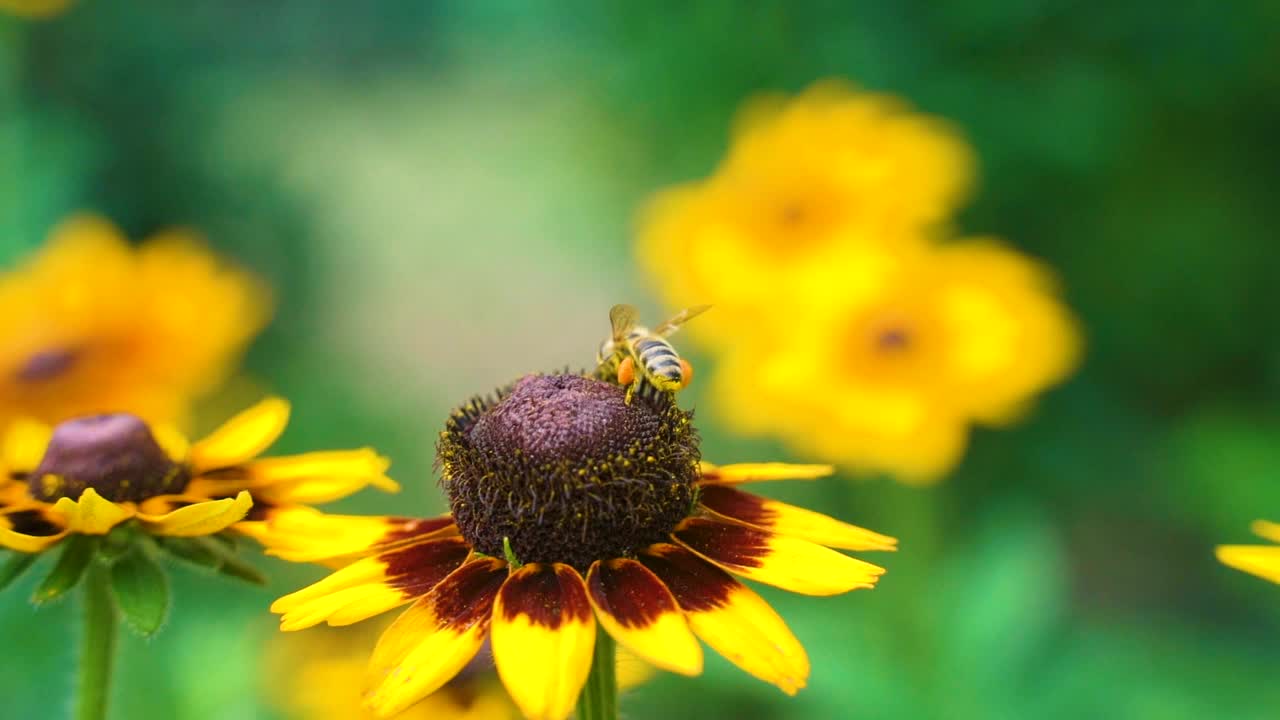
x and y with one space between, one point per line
17 565
77 552
191 551
232 565
141 590
212 552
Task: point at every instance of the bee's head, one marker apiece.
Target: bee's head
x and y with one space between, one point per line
605 351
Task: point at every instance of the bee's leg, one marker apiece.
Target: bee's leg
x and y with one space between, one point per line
631 390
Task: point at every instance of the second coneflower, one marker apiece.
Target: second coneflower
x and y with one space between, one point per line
571 507
112 494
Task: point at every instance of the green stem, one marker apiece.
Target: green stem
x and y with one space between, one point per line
98 652
599 698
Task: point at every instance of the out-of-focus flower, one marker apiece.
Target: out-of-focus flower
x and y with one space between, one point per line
891 381
843 322
89 475
35 9
93 325
320 675
571 506
828 187
1260 560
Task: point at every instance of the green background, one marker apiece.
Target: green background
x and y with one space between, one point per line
442 195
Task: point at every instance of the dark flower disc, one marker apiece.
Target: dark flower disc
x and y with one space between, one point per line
115 455
569 472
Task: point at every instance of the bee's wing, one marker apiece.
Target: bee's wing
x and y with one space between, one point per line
681 318
622 318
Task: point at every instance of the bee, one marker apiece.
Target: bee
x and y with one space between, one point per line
636 355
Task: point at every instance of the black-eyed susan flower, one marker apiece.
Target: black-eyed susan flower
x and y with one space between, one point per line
830 186
891 381
319 675
114 491
1260 560
573 511
92 325
103 480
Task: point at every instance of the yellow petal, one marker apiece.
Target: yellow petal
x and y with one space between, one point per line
373 585
543 637
307 479
243 437
435 638
304 534
732 619
171 440
205 518
22 542
92 515
788 563
760 472
24 445
787 519
640 613
1260 560
1268 530
631 670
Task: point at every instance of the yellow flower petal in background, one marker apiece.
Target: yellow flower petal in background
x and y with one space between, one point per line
24 445
892 382
310 478
243 437
1267 530
808 185
92 514
201 518
90 323
304 534
1260 560
761 472
543 635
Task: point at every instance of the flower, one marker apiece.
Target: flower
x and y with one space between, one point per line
1260 560
828 187
91 474
319 676
92 325
891 380
569 507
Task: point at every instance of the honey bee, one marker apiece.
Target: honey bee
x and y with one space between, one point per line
635 355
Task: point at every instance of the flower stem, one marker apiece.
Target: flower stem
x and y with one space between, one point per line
98 652
599 698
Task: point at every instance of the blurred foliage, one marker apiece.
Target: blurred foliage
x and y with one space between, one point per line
442 195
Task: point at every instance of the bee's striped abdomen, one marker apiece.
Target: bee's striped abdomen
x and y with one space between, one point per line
659 359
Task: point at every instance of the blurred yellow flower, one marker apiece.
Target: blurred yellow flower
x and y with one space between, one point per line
832 179
321 675
890 379
1260 560
35 9
91 324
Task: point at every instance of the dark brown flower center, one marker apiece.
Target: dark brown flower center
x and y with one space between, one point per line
115 455
567 471
47 365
